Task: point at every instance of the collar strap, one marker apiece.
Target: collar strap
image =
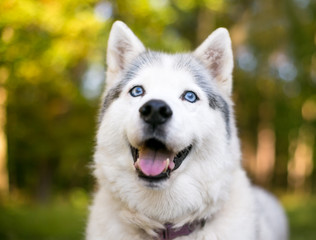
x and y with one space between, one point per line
169 233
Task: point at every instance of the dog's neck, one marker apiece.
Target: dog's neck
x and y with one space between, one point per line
170 232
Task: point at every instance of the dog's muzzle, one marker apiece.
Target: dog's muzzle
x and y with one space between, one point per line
153 160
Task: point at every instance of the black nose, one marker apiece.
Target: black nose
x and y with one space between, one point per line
155 112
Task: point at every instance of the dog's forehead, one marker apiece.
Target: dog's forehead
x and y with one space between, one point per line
165 74
160 69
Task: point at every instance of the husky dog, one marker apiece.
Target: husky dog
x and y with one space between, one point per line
167 159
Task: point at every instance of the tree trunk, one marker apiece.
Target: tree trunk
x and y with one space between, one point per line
4 182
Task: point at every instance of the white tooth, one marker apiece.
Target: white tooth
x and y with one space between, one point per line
136 164
167 165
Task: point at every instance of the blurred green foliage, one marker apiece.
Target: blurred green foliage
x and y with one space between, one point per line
52 63
46 47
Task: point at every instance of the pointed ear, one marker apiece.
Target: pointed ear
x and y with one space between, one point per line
123 46
216 54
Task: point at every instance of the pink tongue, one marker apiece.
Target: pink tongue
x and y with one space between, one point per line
153 163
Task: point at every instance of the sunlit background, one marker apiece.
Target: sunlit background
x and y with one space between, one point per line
52 64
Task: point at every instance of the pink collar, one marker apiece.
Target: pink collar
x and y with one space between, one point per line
169 233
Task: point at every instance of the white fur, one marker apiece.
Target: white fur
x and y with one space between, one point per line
209 184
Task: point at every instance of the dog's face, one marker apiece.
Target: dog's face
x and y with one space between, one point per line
164 116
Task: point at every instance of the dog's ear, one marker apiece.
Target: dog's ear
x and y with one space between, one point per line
216 54
123 47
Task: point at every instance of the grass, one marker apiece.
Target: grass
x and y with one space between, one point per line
301 211
65 221
52 222
60 220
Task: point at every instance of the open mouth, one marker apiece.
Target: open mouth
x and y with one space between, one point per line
154 162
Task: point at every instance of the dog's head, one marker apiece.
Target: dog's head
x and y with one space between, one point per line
163 115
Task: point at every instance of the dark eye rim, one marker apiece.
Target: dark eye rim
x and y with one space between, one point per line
135 95
189 91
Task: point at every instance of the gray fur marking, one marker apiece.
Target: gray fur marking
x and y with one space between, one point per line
146 58
223 106
201 75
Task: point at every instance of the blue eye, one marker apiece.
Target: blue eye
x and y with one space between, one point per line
190 96
137 91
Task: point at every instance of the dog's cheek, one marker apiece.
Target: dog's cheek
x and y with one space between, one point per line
202 128
181 130
114 122
133 127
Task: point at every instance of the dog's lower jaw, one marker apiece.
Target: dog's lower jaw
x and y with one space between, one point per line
154 185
